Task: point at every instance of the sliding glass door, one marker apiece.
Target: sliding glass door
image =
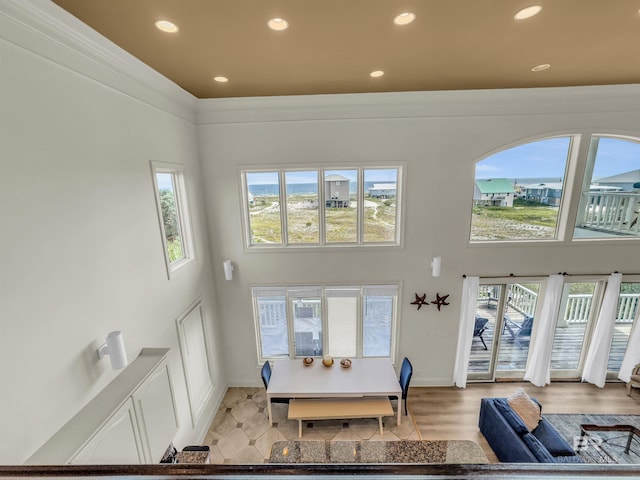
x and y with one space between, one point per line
505 320
627 314
573 328
505 316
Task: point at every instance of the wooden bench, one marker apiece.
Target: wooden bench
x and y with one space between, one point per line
339 408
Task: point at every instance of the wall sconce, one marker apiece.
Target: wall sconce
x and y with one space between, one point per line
114 347
228 270
436 264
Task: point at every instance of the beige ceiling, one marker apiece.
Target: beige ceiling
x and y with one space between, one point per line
331 46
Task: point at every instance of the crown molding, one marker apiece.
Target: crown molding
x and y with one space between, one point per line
450 103
45 29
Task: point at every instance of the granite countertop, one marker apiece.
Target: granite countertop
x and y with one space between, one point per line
193 457
404 451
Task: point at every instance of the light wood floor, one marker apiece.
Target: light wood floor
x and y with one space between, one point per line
451 413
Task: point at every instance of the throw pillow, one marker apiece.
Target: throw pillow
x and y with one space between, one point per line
526 408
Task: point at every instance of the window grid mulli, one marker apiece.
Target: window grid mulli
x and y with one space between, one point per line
373 231
373 311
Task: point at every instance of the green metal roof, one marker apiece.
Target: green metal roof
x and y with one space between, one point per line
495 185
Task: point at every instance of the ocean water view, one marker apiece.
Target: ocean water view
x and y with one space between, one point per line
528 180
298 188
312 188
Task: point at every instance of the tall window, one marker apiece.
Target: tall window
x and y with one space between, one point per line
263 200
505 318
173 214
380 206
578 311
351 321
341 206
322 207
627 313
270 310
302 207
518 192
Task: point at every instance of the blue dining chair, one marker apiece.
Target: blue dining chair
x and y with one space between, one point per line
266 376
405 377
406 370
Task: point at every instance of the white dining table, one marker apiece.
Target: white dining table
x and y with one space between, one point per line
366 377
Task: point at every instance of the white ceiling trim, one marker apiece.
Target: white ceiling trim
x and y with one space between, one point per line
458 103
45 29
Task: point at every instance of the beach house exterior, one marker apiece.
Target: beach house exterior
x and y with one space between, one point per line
382 190
336 188
545 193
625 181
494 192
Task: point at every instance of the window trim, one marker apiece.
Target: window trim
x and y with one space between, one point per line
286 289
182 207
562 219
284 245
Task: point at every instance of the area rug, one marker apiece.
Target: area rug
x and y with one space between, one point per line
602 447
403 451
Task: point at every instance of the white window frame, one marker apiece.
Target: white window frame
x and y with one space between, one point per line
322 243
577 177
294 291
177 171
565 200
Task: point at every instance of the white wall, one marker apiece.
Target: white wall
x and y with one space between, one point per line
80 243
438 136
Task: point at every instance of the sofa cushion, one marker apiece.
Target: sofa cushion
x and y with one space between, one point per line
538 449
552 440
512 418
526 408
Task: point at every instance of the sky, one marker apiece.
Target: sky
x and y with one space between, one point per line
311 176
165 181
547 158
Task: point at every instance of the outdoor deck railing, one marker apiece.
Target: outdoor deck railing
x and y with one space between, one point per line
577 308
522 299
612 212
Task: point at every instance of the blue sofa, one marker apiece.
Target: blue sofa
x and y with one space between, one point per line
512 442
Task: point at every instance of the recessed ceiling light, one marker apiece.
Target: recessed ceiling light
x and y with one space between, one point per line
278 24
405 18
166 26
221 79
528 12
376 73
541 67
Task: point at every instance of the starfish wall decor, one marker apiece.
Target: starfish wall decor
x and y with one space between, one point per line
440 301
420 301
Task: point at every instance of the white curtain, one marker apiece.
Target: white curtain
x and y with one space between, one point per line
465 330
595 364
632 354
537 371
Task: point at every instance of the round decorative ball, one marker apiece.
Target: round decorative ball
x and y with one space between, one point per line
345 363
327 361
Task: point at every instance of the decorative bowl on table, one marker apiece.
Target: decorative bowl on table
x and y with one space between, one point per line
306 361
327 361
345 363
